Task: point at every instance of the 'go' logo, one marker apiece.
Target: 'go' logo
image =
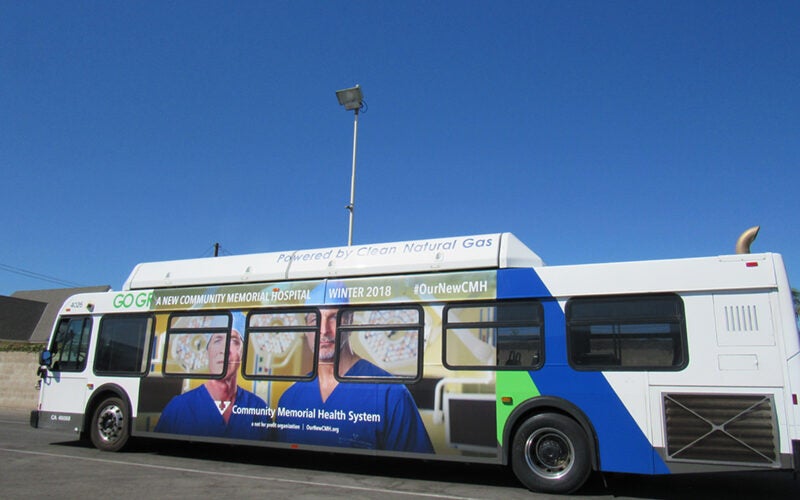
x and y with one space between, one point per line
126 300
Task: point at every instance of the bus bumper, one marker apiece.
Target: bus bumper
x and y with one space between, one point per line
35 420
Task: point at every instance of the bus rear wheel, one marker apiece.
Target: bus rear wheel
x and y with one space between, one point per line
550 454
110 427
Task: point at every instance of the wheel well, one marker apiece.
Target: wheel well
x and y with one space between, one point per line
538 406
101 394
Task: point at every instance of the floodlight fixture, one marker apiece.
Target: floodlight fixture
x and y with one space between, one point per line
350 98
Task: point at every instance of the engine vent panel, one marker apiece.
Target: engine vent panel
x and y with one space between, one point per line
721 429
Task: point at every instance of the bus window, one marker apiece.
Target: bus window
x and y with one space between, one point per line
122 344
388 337
493 335
197 345
642 332
70 344
281 344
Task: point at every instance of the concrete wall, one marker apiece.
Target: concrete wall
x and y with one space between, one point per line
18 390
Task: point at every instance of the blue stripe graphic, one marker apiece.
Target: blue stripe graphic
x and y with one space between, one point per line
623 446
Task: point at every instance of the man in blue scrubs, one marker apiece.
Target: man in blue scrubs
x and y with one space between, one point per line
327 412
219 407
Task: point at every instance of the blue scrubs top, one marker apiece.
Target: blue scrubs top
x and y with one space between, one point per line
355 415
195 413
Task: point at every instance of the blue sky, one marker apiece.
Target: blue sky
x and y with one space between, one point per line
594 131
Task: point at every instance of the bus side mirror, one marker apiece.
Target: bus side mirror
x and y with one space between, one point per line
45 358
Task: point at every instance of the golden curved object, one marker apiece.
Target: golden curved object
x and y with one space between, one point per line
746 239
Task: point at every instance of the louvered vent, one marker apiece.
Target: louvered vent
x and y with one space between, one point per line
721 429
742 318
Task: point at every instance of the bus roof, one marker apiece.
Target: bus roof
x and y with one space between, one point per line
487 251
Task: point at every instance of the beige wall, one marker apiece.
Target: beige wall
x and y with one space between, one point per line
18 390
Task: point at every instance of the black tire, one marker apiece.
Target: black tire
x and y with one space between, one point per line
110 427
551 454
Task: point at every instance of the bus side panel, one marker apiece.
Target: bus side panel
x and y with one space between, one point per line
735 379
623 445
62 399
790 324
736 349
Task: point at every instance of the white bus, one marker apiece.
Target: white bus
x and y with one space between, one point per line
464 349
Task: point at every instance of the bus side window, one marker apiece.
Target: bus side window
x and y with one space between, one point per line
626 332
390 338
122 345
71 343
493 335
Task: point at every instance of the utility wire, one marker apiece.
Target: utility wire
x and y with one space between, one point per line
38 276
224 251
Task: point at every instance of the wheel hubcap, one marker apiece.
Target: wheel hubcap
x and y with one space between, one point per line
109 423
549 453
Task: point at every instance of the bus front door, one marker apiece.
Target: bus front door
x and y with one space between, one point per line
64 373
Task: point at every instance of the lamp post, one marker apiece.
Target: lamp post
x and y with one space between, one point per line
352 99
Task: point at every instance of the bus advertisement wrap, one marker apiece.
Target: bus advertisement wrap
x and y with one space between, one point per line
331 375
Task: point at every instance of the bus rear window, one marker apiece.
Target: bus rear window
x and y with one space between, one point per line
632 332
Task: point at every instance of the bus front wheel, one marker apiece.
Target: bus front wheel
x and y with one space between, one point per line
110 427
550 454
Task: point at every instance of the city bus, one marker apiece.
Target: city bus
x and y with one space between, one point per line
463 349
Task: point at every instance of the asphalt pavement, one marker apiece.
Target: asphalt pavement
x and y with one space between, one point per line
37 463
